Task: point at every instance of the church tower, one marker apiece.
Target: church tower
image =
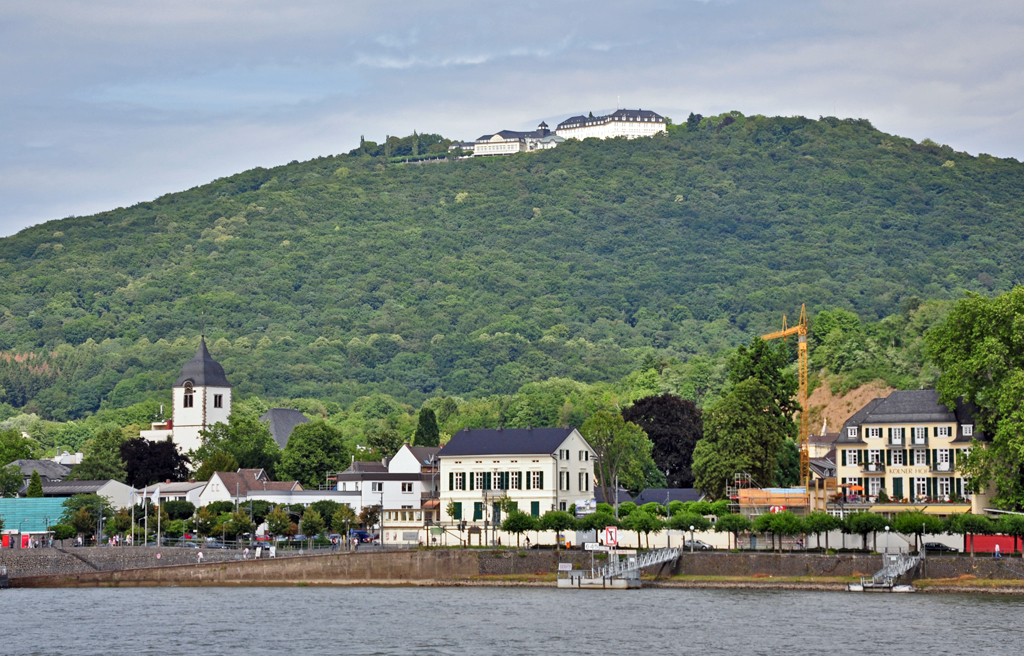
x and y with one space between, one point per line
202 398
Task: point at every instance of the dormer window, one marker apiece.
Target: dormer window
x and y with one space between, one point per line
851 431
968 430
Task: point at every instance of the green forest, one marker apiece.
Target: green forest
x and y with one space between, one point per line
523 290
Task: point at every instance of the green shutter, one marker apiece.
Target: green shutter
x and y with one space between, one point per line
935 456
472 480
897 486
458 510
888 457
927 456
860 482
890 435
478 510
929 485
540 485
487 481
451 481
527 480
959 487
844 457
463 477
535 508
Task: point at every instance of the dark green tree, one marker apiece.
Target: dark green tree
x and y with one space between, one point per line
642 522
245 439
787 473
14 446
734 524
818 522
767 362
148 462
11 480
557 521
219 461
741 434
314 450
427 433
981 355
518 523
35 486
673 425
102 459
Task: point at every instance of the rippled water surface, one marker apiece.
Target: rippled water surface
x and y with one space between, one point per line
470 621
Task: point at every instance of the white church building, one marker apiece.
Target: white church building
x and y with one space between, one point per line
202 398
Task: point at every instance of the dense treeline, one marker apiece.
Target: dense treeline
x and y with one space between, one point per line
349 278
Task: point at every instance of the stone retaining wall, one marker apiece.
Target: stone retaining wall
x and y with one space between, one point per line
72 560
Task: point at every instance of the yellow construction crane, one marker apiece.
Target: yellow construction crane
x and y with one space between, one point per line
800 330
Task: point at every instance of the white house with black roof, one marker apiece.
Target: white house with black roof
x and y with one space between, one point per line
908 444
201 398
508 142
538 469
629 123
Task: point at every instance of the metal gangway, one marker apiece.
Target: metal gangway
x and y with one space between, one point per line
896 565
623 573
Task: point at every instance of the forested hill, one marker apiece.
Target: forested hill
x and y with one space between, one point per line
341 276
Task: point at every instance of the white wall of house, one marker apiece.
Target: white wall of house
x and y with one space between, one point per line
538 483
189 421
215 490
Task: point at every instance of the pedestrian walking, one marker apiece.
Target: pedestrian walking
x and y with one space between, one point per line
245 554
998 553
199 558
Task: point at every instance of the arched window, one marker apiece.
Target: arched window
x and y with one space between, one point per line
189 396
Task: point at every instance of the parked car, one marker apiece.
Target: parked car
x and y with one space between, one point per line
698 545
938 546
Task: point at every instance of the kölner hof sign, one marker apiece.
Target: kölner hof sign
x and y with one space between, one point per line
909 471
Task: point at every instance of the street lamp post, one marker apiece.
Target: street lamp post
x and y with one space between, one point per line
668 513
691 538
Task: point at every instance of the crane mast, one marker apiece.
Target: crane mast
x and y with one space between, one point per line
800 330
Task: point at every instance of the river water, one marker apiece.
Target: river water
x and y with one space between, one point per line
472 621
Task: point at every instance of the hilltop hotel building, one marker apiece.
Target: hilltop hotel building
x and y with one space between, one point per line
629 123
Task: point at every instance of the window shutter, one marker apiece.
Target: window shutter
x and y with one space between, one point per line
959 487
451 481
528 481
458 511
844 457
860 482
587 480
487 481
929 485
890 435
541 485
935 456
463 477
927 456
522 475
472 480
888 458
906 460
897 486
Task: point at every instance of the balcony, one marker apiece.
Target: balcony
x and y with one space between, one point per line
943 467
873 467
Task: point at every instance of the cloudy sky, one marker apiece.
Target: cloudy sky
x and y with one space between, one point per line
110 102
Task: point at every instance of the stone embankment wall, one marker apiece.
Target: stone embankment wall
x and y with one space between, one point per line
397 567
421 567
72 560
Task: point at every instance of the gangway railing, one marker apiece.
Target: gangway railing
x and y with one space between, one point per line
630 568
896 565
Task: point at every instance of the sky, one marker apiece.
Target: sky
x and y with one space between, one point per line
106 103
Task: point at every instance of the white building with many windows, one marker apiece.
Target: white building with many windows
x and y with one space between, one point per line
202 398
538 469
508 142
629 123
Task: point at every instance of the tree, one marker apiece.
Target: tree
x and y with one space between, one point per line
740 435
343 519
787 473
61 532
314 450
1012 525
219 461
970 525
981 355
818 522
673 425
120 522
278 521
326 508
14 446
693 122
655 509
786 523
245 439
557 521
734 524
642 522
102 459
35 486
596 521
863 523
83 522
427 433
518 523
179 509
312 524
203 521
621 449
148 462
93 504
239 524
11 480
384 439
767 362
369 516
916 524
683 521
